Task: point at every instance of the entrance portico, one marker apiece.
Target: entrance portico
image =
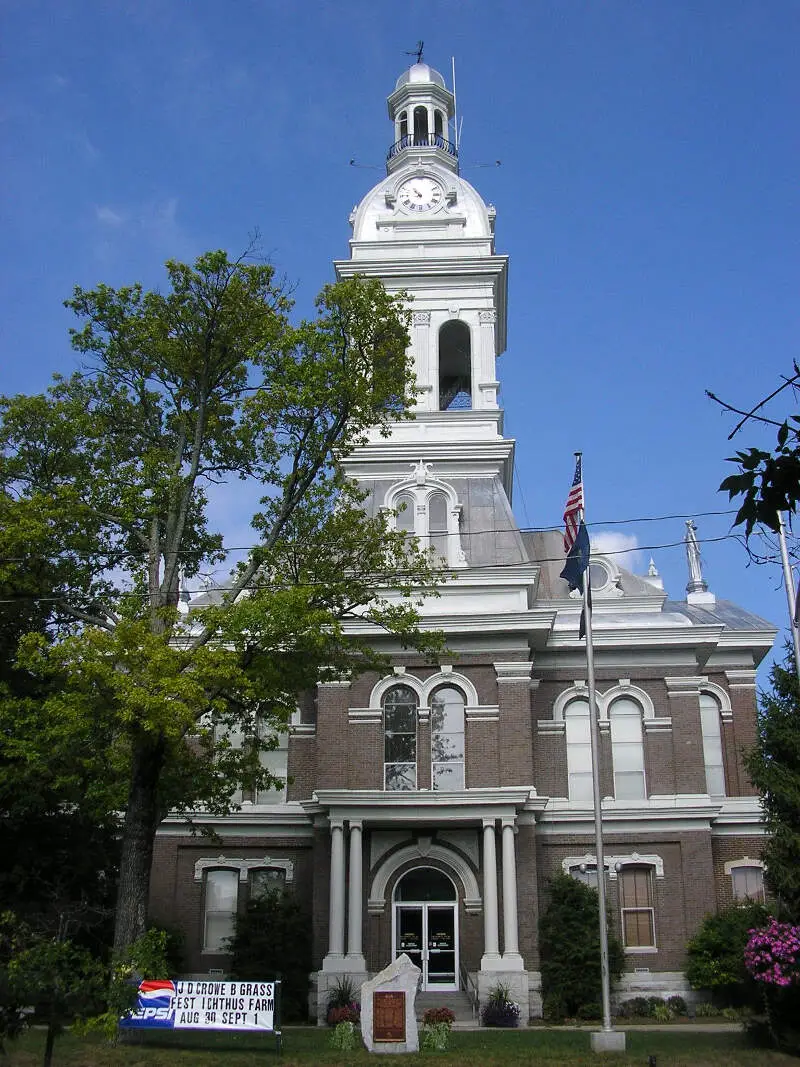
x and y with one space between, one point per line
425 819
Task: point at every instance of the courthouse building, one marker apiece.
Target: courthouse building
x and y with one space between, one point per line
425 811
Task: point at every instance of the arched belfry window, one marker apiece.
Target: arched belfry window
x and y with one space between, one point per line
438 124
406 519
400 738
420 125
455 366
403 125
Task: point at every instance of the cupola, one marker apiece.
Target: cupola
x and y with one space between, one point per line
421 108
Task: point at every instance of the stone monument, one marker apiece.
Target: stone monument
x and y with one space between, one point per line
388 1018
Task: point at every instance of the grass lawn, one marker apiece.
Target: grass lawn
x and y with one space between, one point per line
310 1048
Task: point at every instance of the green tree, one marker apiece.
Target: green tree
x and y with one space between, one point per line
715 954
569 943
774 769
273 939
768 482
106 481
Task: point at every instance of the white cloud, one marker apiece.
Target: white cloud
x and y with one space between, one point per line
623 548
108 216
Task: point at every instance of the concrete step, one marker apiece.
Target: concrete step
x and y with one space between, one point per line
457 1002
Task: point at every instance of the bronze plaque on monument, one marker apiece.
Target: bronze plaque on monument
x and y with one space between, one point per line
388 1016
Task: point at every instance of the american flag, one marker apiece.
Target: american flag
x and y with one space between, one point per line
573 508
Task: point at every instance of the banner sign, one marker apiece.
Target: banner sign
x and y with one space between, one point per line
205 1005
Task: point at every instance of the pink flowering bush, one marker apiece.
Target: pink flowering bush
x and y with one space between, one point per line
772 954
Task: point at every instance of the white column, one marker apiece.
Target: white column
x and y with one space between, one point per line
511 957
491 944
354 953
336 914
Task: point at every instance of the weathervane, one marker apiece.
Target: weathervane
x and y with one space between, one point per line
417 51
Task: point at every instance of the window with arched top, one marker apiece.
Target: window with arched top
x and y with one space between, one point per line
405 506
437 524
627 749
447 738
438 123
710 722
400 738
403 125
420 125
455 366
579 750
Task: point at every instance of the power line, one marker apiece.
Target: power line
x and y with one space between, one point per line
398 575
462 533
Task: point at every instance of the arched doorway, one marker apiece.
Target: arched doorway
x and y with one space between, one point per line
425 926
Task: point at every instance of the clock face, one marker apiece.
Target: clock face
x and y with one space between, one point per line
419 194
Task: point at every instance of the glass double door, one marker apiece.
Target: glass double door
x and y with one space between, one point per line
428 935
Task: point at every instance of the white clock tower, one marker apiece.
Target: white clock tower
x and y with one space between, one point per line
425 230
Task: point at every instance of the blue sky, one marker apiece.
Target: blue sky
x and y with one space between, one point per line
647 197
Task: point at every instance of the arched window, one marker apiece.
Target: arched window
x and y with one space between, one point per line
447 738
579 750
400 738
420 125
712 745
627 749
455 366
219 909
438 125
406 518
437 524
403 125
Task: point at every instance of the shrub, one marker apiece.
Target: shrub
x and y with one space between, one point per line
677 1005
435 1036
591 1011
716 953
273 940
343 1037
661 1012
772 958
553 1009
636 1007
433 1016
500 1009
569 938
705 1010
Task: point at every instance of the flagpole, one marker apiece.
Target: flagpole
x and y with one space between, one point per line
594 736
788 581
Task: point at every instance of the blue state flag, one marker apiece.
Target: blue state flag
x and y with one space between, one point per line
577 560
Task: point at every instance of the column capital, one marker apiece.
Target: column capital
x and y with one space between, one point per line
489 822
420 318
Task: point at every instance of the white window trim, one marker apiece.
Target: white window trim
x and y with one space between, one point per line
729 868
445 676
721 695
243 866
421 488
614 864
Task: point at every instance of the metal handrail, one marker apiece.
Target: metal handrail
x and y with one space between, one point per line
469 987
428 140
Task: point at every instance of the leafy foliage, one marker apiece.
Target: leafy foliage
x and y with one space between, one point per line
105 486
500 1010
768 482
343 1037
774 768
435 1036
569 940
273 940
716 953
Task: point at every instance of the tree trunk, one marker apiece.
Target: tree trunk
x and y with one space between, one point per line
141 821
48 1046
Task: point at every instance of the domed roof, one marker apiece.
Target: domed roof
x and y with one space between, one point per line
420 72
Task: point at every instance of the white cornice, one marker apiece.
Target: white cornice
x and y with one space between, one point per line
468 807
265 820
